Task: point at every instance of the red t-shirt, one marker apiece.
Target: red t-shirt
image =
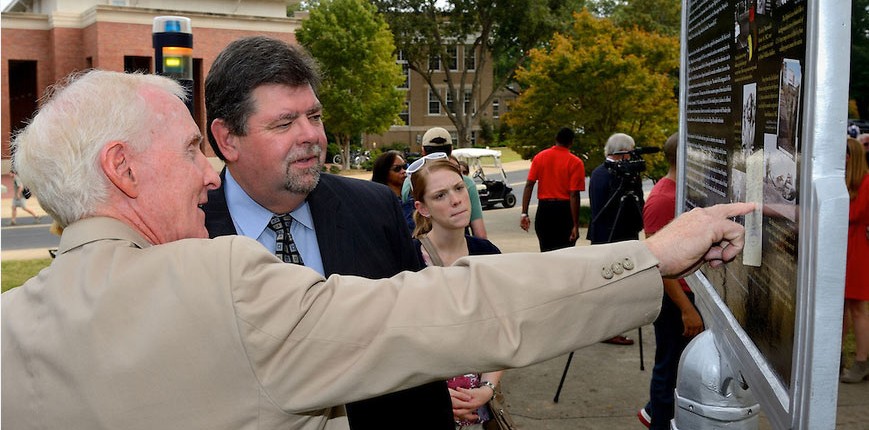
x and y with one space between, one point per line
660 209
558 172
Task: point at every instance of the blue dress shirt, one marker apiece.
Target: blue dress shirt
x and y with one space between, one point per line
252 220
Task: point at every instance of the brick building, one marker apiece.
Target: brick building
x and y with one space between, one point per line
44 41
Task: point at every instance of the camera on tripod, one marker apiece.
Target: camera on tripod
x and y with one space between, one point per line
630 169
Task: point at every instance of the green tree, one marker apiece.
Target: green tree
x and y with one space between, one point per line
355 49
860 56
505 29
599 79
658 16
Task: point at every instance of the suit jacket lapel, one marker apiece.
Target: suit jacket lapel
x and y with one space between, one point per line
325 209
218 221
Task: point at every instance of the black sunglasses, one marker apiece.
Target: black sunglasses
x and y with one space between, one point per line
398 168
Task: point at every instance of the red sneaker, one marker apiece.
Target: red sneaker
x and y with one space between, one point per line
644 417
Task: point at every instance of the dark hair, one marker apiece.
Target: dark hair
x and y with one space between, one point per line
565 136
244 65
419 183
382 165
671 147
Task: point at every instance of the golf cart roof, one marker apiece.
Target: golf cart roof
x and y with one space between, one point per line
475 153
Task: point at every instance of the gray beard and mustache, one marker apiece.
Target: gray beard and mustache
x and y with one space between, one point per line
304 181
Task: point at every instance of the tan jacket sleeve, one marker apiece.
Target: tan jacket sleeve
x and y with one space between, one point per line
315 343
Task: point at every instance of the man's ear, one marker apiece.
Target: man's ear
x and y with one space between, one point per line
116 162
226 141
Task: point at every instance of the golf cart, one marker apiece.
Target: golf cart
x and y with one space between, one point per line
485 166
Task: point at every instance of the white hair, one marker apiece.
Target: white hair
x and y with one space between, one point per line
56 155
618 142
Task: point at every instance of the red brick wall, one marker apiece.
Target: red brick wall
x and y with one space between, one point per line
61 51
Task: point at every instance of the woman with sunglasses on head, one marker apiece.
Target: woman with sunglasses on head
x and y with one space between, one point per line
856 270
443 210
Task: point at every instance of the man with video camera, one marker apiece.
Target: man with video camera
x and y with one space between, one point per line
616 196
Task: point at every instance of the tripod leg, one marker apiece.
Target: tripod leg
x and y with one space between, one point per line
563 375
640 336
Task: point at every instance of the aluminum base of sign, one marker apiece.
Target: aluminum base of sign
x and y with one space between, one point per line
708 394
808 400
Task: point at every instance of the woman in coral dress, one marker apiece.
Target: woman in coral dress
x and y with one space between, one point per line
857 263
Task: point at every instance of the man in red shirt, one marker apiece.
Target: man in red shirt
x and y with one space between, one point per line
561 176
679 320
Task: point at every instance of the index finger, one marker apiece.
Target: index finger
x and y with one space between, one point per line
730 210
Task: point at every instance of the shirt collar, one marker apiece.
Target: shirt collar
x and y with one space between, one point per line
249 217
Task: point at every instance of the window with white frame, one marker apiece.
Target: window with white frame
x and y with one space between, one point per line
434 106
496 108
405 113
473 138
450 100
434 62
470 106
453 58
405 71
470 58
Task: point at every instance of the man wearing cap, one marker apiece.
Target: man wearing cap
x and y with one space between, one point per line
438 139
561 176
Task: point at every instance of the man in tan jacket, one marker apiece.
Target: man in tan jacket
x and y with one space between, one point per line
141 323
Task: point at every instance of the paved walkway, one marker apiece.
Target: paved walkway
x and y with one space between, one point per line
604 387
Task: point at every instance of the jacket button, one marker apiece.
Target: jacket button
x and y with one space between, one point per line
606 272
628 263
617 268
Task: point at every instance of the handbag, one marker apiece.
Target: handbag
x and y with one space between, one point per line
501 419
26 193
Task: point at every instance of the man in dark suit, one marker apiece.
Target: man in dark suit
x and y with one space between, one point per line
264 122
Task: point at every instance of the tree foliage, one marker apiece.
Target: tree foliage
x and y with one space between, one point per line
599 79
859 90
506 29
657 16
356 52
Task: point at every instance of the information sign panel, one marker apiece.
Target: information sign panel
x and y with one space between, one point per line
751 91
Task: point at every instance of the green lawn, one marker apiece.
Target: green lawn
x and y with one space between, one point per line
507 154
15 272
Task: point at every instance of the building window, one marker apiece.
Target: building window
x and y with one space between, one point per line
473 138
434 106
134 64
405 71
434 62
22 92
450 101
453 57
400 56
496 108
470 58
470 108
405 114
